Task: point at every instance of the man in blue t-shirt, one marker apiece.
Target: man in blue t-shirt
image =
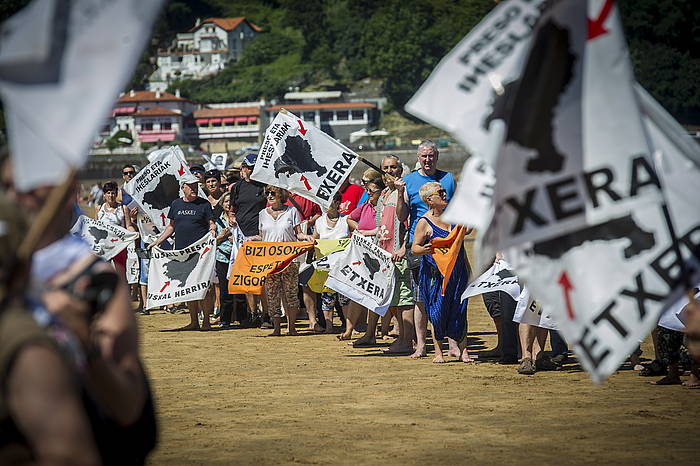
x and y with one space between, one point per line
190 219
411 206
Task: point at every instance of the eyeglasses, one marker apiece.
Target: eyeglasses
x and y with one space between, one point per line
372 191
364 181
130 172
439 192
270 193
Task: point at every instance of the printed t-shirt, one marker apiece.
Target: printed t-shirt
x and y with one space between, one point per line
248 197
280 229
365 216
349 199
417 207
191 220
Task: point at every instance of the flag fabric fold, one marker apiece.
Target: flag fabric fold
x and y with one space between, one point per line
445 253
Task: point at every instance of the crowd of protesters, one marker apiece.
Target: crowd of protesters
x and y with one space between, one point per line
400 210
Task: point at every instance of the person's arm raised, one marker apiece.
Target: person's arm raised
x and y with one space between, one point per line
402 209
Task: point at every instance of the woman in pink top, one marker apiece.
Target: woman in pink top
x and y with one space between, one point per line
363 221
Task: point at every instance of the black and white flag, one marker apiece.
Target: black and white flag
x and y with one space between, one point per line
181 275
365 274
303 159
105 239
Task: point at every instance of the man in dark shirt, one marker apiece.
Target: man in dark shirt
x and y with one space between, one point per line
248 199
190 219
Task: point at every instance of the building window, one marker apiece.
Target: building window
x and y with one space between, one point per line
342 114
309 116
326 116
166 126
147 126
358 114
216 124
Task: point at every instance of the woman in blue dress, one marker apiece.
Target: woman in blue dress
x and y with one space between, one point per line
448 313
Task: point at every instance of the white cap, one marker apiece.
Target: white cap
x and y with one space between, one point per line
188 179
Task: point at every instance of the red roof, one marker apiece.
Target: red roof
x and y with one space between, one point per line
157 111
228 24
226 112
326 106
148 96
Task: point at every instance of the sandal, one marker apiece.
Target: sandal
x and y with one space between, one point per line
654 369
526 367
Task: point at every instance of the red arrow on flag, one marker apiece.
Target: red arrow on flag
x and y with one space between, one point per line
204 252
162 217
167 284
567 287
181 170
356 263
302 130
306 182
114 240
596 26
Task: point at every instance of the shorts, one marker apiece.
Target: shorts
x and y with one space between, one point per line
403 292
328 301
282 286
417 298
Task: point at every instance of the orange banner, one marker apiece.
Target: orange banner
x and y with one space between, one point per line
258 259
446 251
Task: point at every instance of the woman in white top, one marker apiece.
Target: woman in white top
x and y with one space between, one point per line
117 214
281 223
331 225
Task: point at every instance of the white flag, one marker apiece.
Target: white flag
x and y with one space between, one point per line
181 275
303 159
157 185
499 277
460 94
365 274
105 239
132 264
215 161
62 64
529 311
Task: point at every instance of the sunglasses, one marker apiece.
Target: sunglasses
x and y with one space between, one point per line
372 191
270 193
439 192
132 173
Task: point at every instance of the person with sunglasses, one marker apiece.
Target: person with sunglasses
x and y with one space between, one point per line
363 221
281 223
411 206
447 313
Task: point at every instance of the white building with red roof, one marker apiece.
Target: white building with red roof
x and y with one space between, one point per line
203 50
224 127
150 116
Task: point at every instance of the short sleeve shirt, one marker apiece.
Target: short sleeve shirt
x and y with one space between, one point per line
349 199
365 216
191 220
308 208
248 198
417 207
280 229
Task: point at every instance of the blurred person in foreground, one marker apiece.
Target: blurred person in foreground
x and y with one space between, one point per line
42 418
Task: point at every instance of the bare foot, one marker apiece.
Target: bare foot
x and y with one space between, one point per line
692 382
365 340
292 332
344 336
438 359
419 353
454 353
398 348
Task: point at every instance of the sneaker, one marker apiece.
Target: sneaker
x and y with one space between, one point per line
526 367
560 359
546 364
